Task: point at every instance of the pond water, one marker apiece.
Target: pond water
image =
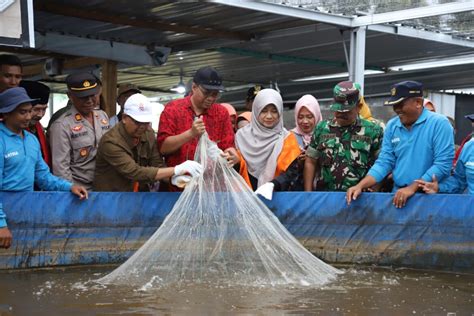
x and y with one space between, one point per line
359 291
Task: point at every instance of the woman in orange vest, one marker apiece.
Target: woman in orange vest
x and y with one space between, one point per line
267 149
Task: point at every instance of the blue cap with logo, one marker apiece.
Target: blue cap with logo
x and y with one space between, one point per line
404 90
11 98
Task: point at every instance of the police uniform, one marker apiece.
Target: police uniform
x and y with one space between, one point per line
74 140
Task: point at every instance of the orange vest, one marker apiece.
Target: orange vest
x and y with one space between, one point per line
289 152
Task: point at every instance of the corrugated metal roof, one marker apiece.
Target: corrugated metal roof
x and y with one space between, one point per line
246 46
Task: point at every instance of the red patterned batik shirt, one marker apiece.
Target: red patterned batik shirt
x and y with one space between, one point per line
178 117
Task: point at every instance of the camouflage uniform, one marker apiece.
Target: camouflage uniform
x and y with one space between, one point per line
345 154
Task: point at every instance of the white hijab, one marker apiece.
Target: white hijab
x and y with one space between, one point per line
261 146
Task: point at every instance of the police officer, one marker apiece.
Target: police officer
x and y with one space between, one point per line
75 135
344 148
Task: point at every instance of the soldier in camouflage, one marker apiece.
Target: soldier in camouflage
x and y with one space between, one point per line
343 149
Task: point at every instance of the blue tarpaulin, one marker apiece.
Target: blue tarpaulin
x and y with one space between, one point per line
432 231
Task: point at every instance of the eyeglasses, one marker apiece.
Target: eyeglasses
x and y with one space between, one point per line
209 93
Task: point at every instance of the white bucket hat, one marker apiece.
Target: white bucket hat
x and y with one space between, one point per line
139 108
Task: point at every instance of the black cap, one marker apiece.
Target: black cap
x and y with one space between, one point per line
208 78
36 90
404 90
82 84
253 91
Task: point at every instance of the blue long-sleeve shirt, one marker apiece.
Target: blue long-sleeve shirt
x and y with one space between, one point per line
463 176
3 221
417 153
22 165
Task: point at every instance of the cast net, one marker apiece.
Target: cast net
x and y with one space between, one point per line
219 232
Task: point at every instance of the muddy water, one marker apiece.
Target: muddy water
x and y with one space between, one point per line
360 291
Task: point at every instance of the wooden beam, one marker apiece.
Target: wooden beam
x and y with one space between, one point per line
142 22
71 63
109 87
33 70
32 51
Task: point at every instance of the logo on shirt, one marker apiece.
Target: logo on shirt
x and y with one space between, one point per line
104 121
395 140
76 128
11 154
83 152
469 164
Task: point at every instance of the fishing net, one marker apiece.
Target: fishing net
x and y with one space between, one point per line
219 232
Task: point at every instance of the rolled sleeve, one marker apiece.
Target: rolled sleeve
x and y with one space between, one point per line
312 152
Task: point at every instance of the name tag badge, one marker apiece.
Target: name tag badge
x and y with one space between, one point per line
11 154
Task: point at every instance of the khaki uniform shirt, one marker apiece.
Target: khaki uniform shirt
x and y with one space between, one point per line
122 161
74 144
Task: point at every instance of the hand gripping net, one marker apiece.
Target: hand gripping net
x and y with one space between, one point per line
219 232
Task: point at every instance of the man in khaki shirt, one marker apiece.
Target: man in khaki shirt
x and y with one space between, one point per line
128 159
75 135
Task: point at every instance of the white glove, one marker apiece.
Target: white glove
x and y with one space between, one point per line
214 152
266 190
188 167
180 181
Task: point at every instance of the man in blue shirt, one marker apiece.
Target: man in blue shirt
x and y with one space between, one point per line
417 144
462 178
21 162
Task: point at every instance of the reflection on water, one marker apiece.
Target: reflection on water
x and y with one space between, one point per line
360 291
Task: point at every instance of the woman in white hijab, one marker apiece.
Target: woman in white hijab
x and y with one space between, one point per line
267 148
